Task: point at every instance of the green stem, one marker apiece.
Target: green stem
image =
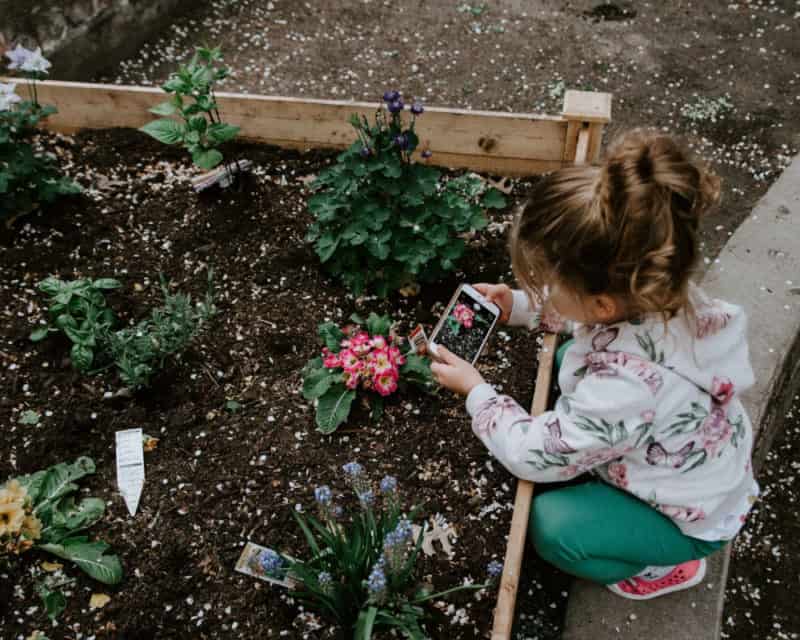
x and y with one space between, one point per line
441 594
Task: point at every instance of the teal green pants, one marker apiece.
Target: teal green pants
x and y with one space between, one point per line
600 533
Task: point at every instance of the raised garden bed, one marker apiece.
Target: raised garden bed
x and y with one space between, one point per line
237 450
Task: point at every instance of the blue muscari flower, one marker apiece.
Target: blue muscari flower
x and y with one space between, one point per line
401 141
391 96
365 152
389 484
494 569
376 582
272 563
353 469
324 579
323 495
427 153
417 108
366 497
396 106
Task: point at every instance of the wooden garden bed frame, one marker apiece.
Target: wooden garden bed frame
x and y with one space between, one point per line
505 144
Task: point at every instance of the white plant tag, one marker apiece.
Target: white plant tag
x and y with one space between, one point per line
249 563
130 467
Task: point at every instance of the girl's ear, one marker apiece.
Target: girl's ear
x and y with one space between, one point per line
607 309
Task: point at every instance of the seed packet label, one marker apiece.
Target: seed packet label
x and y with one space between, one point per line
418 340
130 467
249 563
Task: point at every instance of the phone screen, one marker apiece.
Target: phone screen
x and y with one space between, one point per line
465 327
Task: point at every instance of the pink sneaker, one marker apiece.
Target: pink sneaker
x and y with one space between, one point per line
682 576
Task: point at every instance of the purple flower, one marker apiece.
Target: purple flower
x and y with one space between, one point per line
388 484
401 141
494 569
396 106
365 152
273 564
323 494
18 56
352 469
417 108
427 153
391 96
376 583
366 497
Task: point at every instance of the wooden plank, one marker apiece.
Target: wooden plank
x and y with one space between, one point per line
457 137
515 551
587 106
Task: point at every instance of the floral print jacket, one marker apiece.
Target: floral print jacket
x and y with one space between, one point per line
651 407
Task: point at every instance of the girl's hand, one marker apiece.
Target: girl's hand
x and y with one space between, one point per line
501 295
453 373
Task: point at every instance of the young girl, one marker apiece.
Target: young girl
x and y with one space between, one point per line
649 385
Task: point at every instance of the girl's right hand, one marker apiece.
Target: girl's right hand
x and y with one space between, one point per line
499 294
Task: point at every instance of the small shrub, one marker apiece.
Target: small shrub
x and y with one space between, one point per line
39 510
28 175
78 309
193 100
362 572
383 220
707 109
139 351
354 359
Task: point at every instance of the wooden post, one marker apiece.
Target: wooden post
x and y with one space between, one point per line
586 114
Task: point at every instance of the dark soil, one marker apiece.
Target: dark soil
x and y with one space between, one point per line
219 478
765 565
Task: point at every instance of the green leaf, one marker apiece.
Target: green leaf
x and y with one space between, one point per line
334 407
220 132
56 481
165 130
90 557
167 108
207 159
378 325
332 336
54 601
106 283
51 286
40 333
366 620
29 417
376 408
317 382
493 199
416 369
326 246
81 357
233 406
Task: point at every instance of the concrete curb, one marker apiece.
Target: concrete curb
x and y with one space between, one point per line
758 268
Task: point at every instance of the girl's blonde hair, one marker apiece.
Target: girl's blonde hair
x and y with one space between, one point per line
626 228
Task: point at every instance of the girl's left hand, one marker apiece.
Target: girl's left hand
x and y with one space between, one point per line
453 373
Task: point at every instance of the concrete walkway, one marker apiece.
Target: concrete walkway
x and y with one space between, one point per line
759 268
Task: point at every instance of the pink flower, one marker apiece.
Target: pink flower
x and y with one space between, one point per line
648 416
330 360
378 342
722 390
618 473
351 378
386 384
380 362
464 315
361 344
396 357
349 360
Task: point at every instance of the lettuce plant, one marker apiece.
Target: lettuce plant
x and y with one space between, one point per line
28 175
358 359
361 574
383 220
200 129
40 510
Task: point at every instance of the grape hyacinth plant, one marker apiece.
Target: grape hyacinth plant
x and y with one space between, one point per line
382 220
356 358
362 572
28 175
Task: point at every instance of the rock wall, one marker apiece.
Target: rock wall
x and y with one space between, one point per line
82 37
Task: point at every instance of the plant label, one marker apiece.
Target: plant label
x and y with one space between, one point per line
418 340
249 563
222 175
130 467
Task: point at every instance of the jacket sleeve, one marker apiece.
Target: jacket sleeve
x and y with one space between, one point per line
525 314
605 417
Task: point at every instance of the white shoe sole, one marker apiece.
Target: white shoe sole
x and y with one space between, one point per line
696 579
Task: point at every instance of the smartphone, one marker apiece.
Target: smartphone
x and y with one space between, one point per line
466 324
